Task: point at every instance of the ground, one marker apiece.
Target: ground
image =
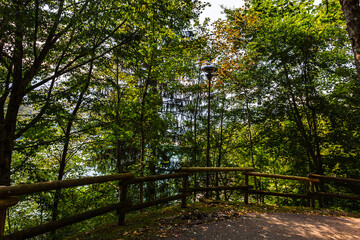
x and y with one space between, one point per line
213 220
275 226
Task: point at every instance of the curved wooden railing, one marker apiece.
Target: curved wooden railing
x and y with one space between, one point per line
8 194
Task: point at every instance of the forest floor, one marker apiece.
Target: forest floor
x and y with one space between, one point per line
218 220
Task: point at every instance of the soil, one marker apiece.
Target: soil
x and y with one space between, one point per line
276 226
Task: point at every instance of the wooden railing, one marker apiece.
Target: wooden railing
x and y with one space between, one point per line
312 179
247 189
244 188
8 198
8 194
309 195
324 179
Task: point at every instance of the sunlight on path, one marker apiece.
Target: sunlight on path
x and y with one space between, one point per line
278 226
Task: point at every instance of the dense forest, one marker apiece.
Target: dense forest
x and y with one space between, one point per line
91 88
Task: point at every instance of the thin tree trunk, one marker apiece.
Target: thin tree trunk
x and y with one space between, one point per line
248 115
298 119
119 166
220 151
319 167
195 119
208 133
142 133
195 149
63 159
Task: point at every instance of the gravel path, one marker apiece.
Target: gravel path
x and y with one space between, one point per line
276 226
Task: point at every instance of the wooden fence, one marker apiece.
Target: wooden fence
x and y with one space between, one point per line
247 189
8 194
324 179
8 198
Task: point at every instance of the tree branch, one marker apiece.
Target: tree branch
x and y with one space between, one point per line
36 28
64 70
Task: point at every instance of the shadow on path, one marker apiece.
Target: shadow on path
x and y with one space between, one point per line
276 226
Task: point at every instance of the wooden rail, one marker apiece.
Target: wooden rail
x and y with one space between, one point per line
304 179
152 203
155 178
291 195
335 179
23 189
217 188
216 169
335 195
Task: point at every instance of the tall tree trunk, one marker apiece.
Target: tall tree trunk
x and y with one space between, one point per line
351 10
319 166
195 118
208 134
248 116
142 132
195 149
220 151
17 93
119 166
6 148
305 137
63 159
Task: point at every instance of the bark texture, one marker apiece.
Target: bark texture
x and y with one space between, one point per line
351 10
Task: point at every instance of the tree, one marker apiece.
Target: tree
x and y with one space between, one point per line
351 10
43 42
284 64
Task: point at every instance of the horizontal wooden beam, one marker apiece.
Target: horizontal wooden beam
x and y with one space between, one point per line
304 179
292 195
335 179
216 169
152 203
215 188
155 178
47 186
334 195
8 202
52 226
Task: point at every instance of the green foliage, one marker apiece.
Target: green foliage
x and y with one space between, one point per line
289 61
108 86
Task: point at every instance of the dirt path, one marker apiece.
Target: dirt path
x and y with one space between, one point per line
276 226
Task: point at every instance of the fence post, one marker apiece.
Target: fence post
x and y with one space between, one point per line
246 194
4 205
122 198
185 184
311 192
2 220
